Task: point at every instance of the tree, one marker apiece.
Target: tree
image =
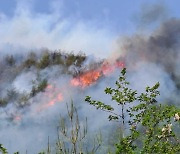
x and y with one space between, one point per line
72 135
150 123
31 60
57 58
3 102
122 95
45 61
10 60
3 150
39 85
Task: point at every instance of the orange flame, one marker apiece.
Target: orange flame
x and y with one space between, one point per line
57 98
53 96
86 79
90 77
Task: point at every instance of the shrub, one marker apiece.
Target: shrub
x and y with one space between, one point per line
70 59
3 102
31 60
10 60
57 58
12 94
39 88
44 61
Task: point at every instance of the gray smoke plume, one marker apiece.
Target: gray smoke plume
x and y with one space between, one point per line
27 127
162 46
149 58
151 15
156 54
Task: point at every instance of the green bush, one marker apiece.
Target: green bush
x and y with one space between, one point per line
70 59
80 58
39 88
3 102
31 60
44 61
3 150
12 94
57 58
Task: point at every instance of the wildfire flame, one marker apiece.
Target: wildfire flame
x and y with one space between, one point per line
90 77
53 96
86 79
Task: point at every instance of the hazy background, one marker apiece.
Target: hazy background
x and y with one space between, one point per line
145 34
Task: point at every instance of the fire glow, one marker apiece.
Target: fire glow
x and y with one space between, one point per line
86 79
53 96
90 77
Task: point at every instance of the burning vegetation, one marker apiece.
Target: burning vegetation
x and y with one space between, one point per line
82 76
89 77
33 85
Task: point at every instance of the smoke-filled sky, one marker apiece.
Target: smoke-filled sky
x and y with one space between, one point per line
90 26
144 34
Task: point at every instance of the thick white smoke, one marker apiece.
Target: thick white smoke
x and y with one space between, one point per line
28 30
149 59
